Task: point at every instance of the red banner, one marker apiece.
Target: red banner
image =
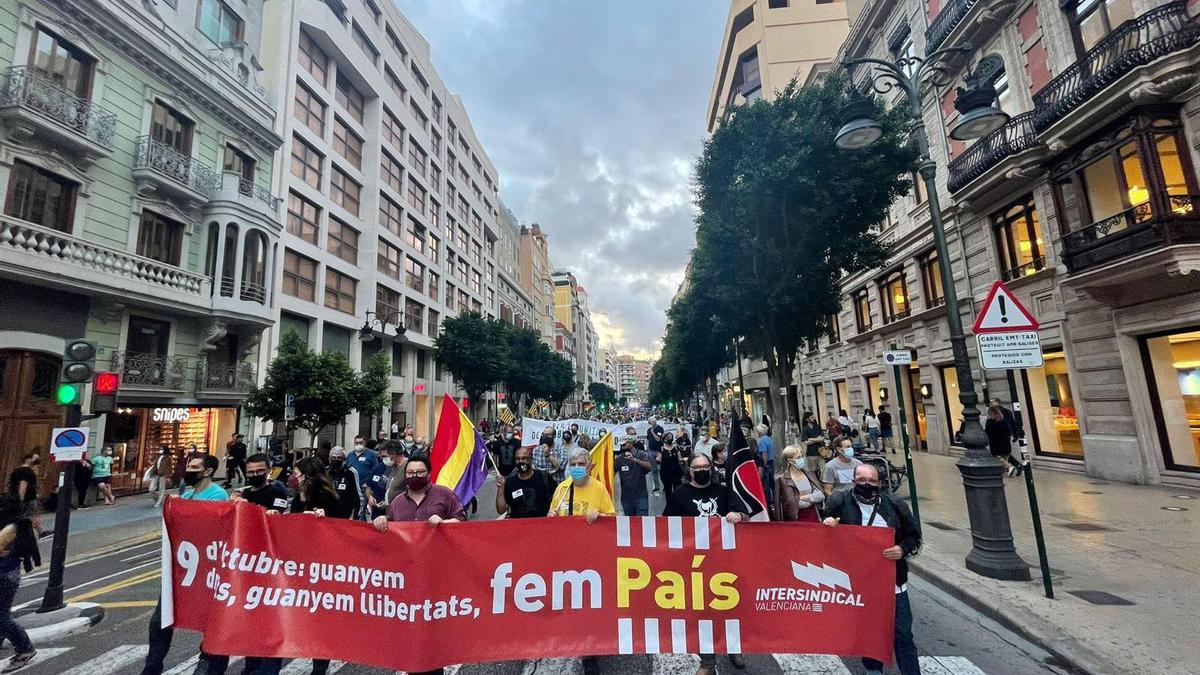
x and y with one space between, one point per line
299 586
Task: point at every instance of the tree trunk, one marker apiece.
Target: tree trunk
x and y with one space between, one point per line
777 378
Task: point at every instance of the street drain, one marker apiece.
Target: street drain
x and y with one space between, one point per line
1086 527
940 525
1101 598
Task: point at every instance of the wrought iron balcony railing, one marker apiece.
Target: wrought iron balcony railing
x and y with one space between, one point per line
149 371
1137 42
47 97
1136 229
945 23
225 377
255 191
1016 136
166 161
1038 263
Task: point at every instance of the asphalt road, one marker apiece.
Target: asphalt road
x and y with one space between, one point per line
117 567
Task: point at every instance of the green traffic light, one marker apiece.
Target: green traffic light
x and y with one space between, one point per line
67 394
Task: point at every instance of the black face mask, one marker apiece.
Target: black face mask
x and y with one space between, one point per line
547 441
867 493
336 464
256 481
701 476
192 478
524 467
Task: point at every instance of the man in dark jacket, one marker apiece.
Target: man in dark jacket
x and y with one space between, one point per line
866 505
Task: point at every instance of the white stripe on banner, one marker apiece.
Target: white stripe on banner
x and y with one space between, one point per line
728 540
679 636
649 540
701 533
622 530
674 532
652 636
625 636
706 637
733 636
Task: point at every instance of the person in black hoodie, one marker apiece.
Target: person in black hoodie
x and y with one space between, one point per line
18 548
866 505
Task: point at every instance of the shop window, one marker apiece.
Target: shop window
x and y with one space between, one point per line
1054 422
843 396
915 399
293 323
893 296
873 383
335 340
41 197
950 400
862 310
61 62
820 407
1019 240
931 280
159 238
1172 364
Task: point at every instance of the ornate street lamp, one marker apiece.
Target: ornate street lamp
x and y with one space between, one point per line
367 332
992 553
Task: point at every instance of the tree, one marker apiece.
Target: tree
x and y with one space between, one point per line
602 393
326 388
784 215
475 351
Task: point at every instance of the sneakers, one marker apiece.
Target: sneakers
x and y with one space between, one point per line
1012 471
19 661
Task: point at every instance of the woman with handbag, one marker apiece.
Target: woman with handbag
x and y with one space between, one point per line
797 492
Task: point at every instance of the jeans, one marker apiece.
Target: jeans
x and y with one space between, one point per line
904 645
262 665
160 483
9 628
635 506
873 434
768 480
657 480
160 645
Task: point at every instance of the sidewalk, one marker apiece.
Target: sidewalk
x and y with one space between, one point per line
1110 538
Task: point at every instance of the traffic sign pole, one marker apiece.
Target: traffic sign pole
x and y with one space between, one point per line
52 599
908 463
1027 468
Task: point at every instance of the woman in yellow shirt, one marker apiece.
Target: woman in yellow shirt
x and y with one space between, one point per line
580 494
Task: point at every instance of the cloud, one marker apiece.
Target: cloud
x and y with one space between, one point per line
593 113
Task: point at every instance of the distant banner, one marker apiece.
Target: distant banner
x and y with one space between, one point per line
531 429
462 593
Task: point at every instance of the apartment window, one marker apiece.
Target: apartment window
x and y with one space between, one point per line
364 43
61 62
463 209
893 295
434 248
414 275
777 4
344 191
434 282
463 239
394 40
414 235
159 238
931 280
901 46
390 260
477 252
218 22
350 98
435 213
395 84
343 241
393 130
387 304
414 315
1019 240
397 351
1092 20
41 197
391 215
417 158
376 13
304 218
435 177
432 325
299 276
862 310
920 193
347 143
236 161
309 109
392 172
339 291
420 116
313 59
421 367
306 162
416 196
170 127
835 329
476 281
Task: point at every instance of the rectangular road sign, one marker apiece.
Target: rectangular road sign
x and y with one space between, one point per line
1001 351
897 358
289 413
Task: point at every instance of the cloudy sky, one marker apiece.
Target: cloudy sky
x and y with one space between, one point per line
593 112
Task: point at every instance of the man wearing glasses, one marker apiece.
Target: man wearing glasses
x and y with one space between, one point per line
422 501
260 489
866 505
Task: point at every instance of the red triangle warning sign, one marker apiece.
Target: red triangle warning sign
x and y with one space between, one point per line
1002 313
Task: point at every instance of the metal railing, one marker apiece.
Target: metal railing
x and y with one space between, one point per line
149 371
1038 263
47 244
249 188
1015 136
34 91
254 292
230 377
945 22
1135 43
1135 229
165 160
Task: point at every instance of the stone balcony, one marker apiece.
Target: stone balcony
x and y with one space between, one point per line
36 107
233 194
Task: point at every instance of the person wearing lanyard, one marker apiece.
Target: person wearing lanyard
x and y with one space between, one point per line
866 505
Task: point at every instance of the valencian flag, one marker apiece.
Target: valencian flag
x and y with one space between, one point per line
458 455
602 462
506 416
742 475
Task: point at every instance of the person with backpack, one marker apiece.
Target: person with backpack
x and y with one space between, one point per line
18 546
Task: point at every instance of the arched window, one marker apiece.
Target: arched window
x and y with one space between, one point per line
229 263
210 250
254 267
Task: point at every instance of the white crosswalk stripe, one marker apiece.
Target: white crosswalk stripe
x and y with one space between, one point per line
46 653
949 665
304 666
188 666
811 664
111 662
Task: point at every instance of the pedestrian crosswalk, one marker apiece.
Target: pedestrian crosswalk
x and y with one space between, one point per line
127 659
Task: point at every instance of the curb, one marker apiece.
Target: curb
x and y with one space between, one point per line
1025 623
88 614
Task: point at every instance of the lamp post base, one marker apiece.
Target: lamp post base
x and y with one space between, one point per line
993 554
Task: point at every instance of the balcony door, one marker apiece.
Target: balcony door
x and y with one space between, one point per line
169 127
61 62
1093 20
146 347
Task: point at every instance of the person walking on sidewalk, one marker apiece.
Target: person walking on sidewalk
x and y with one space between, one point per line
164 468
235 460
871 424
654 438
999 434
866 505
885 429
18 545
83 479
24 480
102 475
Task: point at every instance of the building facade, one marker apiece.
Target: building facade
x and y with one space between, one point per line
391 201
573 323
137 146
536 279
633 376
1085 203
515 305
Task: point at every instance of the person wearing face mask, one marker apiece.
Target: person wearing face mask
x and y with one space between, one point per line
580 494
548 458
260 489
706 443
670 467
23 483
421 500
797 492
504 449
524 492
102 475
867 505
703 497
632 464
378 482
364 460
839 471
346 482
198 482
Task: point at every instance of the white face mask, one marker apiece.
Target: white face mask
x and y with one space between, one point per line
388 461
359 448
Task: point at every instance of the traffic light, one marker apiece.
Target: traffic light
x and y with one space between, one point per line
104 392
68 394
79 361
